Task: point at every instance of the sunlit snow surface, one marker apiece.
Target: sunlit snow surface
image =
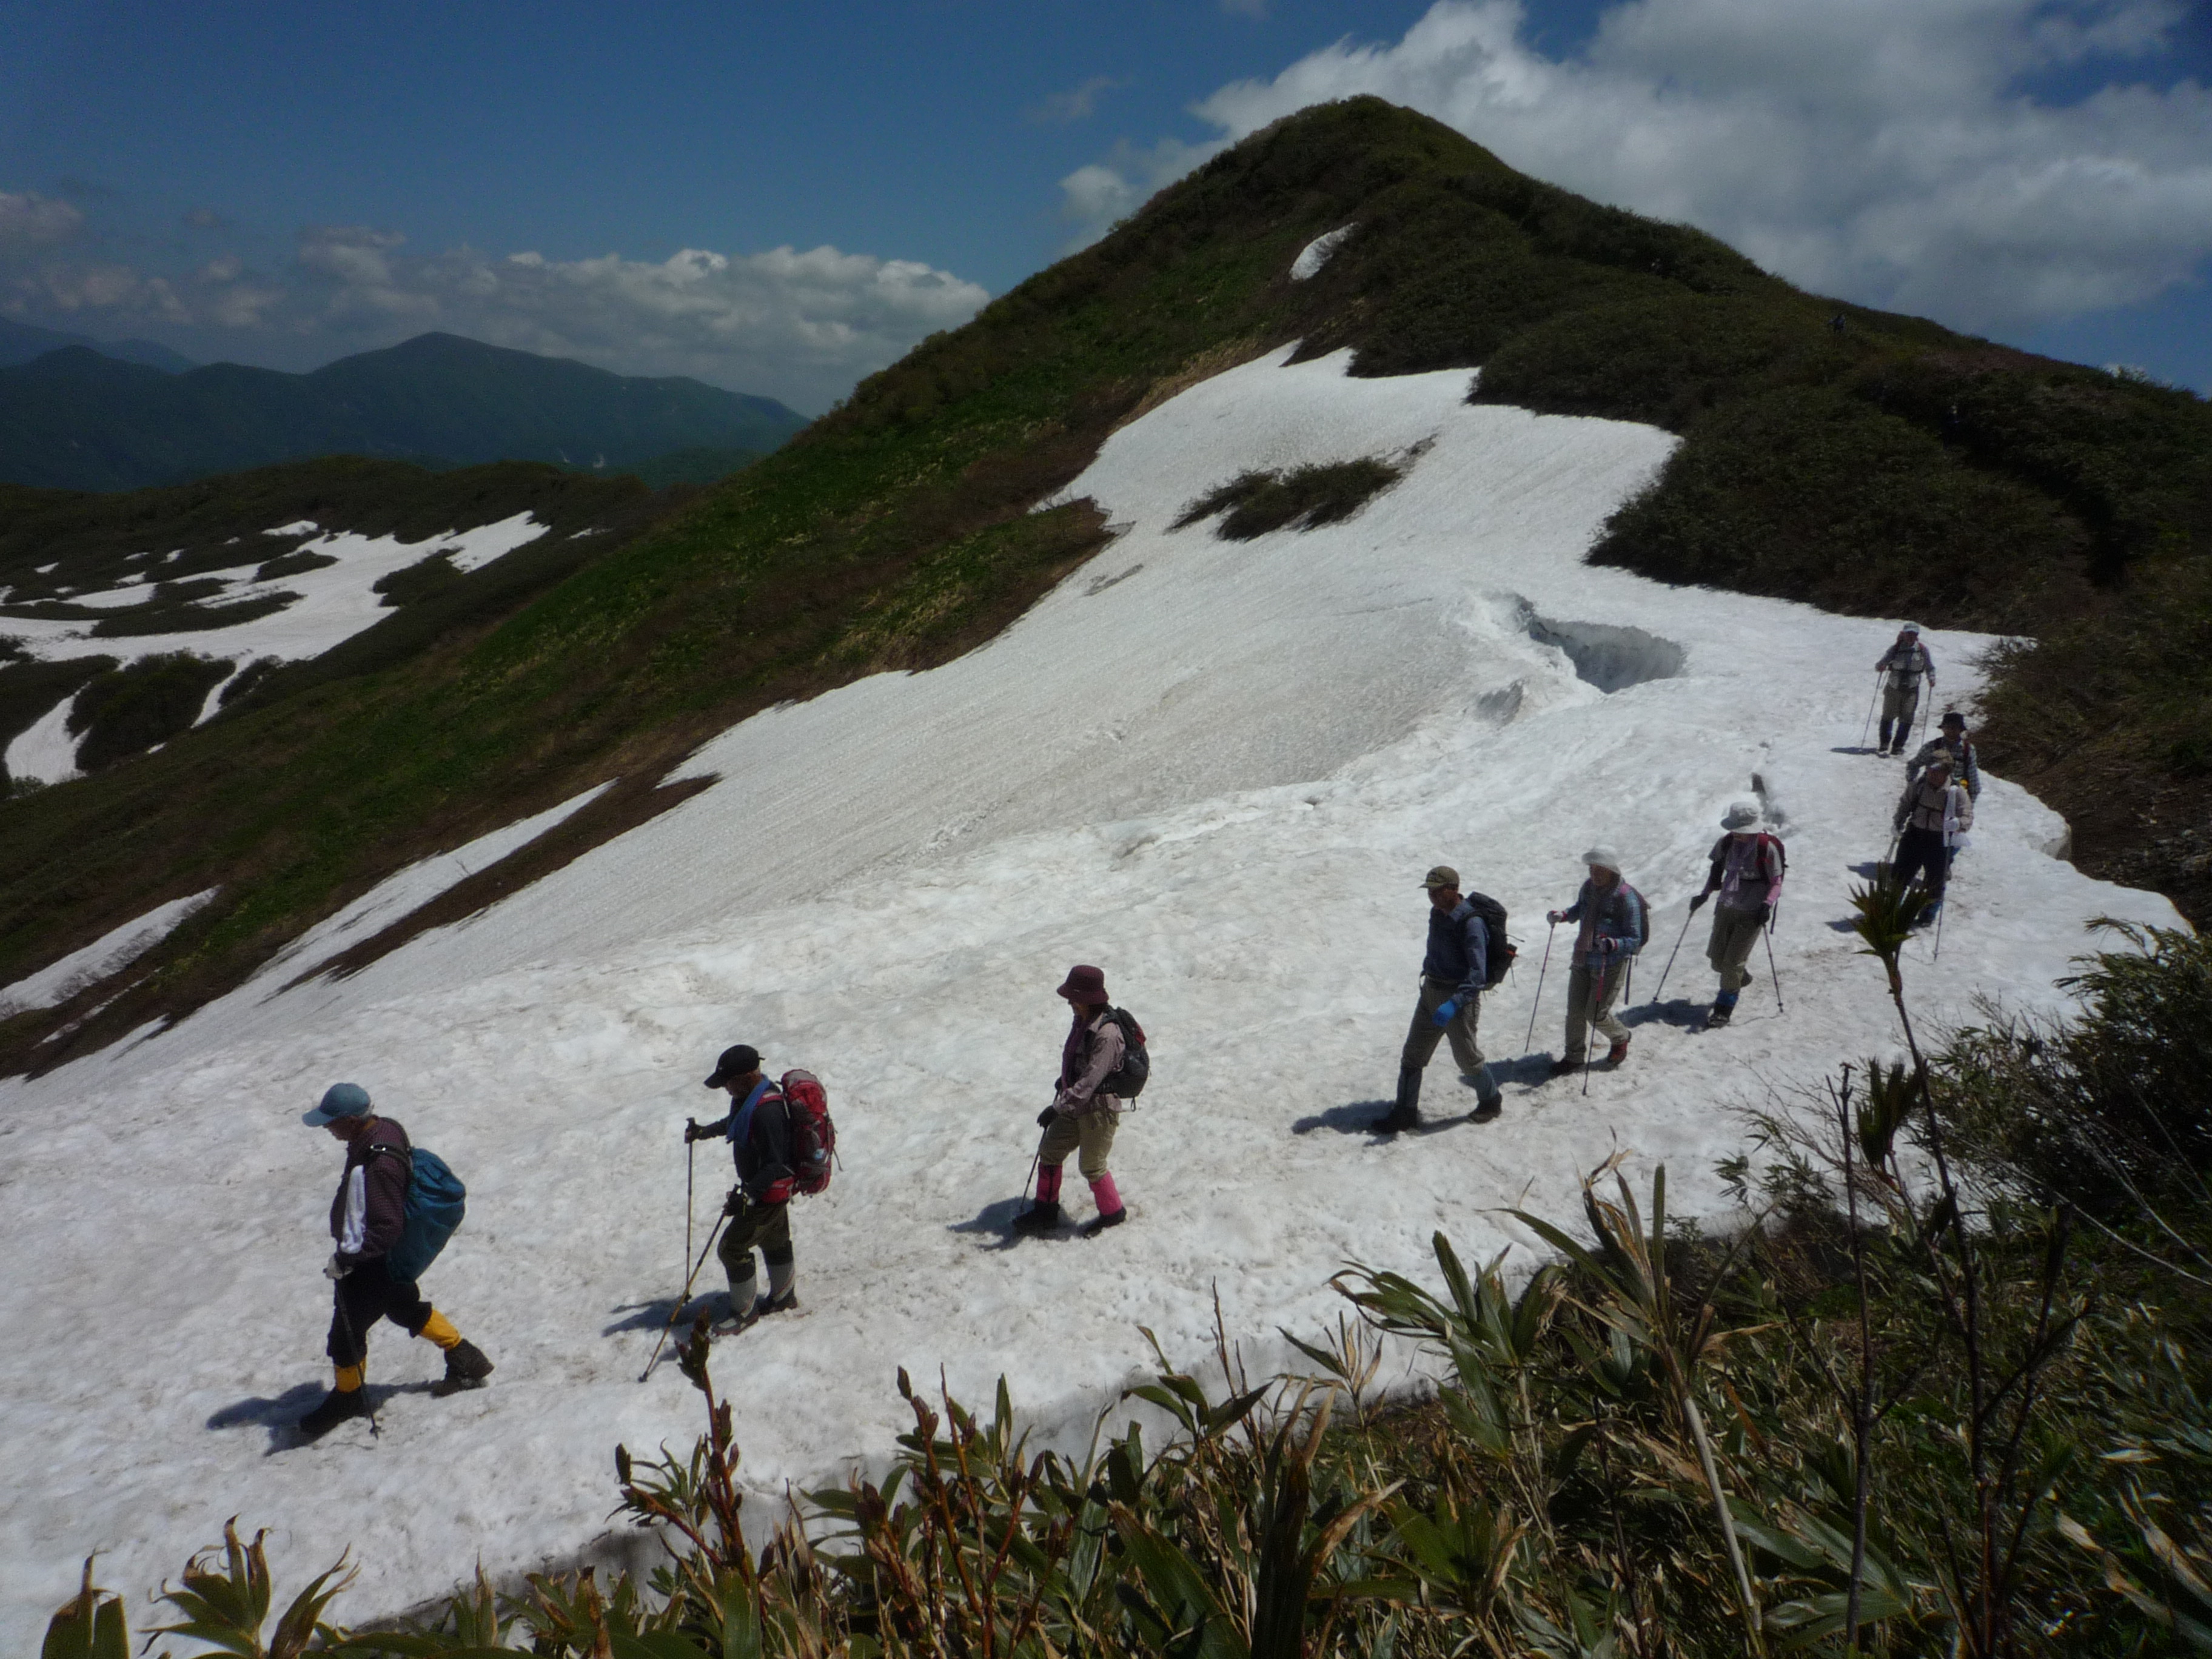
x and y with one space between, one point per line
1218 771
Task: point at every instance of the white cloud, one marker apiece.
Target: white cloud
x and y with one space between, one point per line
27 218
1076 104
1094 199
1880 150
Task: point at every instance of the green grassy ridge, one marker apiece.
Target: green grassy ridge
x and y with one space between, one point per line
793 577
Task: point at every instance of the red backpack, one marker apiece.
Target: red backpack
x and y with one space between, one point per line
813 1136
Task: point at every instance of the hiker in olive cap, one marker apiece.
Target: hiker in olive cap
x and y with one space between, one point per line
1747 871
1611 914
1085 1110
1904 664
759 1130
367 1217
1453 973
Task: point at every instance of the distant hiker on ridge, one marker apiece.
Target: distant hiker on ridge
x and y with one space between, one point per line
367 1217
1611 914
759 1128
1952 741
1904 663
1747 871
1454 974
1103 1063
1932 816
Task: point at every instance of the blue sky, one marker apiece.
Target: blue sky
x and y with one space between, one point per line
283 184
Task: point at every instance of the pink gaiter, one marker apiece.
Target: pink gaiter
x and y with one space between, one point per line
1104 1194
1048 1183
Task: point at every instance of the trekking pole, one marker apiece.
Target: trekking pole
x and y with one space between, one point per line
1866 730
676 1312
1538 999
690 1164
1938 957
1768 935
1671 954
1596 1002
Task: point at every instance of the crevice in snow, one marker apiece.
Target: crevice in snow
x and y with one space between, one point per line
1608 657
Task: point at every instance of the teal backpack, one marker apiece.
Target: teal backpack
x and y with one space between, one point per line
436 1201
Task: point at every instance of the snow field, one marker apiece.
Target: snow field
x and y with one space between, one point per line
329 604
1217 770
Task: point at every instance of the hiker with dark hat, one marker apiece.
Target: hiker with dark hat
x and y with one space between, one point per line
367 1216
1747 871
758 1128
1452 974
1932 816
1085 1110
1611 929
1951 740
1905 662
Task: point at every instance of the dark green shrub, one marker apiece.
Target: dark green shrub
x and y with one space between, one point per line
1306 496
133 708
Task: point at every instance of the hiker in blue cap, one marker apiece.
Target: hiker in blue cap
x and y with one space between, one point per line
367 1217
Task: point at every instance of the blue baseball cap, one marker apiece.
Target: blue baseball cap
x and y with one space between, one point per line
339 1100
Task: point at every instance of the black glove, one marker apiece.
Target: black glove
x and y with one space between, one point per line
691 1131
737 1203
1765 915
1046 1116
1697 903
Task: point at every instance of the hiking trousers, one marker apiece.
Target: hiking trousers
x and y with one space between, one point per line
1899 705
1922 852
1590 994
1735 934
1091 1133
768 1225
1424 1034
364 1296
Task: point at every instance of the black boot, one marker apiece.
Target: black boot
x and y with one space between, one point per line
1098 1224
1406 1114
466 1368
338 1406
1040 1218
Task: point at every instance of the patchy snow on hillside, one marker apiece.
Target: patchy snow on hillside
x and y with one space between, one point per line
323 607
110 953
1217 770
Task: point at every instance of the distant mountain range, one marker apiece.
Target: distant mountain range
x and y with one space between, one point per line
20 343
83 417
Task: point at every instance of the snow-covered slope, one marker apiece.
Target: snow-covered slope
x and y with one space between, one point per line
1218 770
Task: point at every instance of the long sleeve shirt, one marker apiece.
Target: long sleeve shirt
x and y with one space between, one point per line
1459 949
1093 1054
369 1210
1615 913
1905 664
759 1132
1945 808
1747 870
1966 764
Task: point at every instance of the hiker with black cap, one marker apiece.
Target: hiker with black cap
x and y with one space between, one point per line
1952 741
1085 1110
1453 973
1904 663
367 1216
758 1128
1747 871
1611 929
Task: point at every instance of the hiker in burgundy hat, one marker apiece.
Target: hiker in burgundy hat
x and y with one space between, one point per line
1096 1063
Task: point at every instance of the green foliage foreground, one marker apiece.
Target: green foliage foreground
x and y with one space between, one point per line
1904 1403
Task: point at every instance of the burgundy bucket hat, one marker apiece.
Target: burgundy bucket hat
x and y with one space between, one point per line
1085 984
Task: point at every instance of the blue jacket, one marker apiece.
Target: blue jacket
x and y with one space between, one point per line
1459 949
1619 916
